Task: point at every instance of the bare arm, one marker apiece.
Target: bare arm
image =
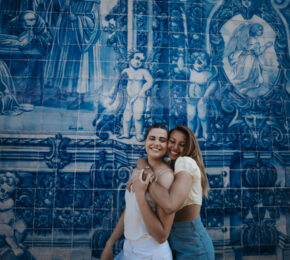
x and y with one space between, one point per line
158 225
107 253
171 200
212 86
148 82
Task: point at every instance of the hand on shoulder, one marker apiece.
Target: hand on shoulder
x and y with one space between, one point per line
141 163
165 177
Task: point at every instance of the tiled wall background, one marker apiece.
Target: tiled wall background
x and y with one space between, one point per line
72 127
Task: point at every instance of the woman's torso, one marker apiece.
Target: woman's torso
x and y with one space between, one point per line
192 205
188 213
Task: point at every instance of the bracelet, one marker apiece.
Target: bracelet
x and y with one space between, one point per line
147 167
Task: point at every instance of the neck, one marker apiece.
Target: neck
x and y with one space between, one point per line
154 162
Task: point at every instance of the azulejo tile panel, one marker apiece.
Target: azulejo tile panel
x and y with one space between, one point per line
81 80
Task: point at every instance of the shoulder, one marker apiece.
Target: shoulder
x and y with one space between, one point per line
141 162
186 164
185 160
165 177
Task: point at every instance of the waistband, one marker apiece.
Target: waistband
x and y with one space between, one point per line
146 241
197 223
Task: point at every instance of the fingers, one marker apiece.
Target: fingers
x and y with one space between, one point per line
128 186
147 178
141 177
136 173
151 178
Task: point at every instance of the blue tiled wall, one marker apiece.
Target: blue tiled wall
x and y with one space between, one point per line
74 108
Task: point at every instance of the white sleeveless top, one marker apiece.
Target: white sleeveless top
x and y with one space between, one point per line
134 226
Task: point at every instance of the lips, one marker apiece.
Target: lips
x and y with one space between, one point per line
172 154
154 148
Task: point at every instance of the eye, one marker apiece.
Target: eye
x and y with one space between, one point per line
163 140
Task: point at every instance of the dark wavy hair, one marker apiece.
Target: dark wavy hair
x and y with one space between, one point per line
158 126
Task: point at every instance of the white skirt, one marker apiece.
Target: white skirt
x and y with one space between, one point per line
145 249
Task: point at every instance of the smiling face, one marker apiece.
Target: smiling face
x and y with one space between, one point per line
176 144
156 143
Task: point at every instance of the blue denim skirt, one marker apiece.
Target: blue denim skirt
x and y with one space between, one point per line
190 240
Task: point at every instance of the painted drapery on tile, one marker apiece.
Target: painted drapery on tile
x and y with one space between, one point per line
81 80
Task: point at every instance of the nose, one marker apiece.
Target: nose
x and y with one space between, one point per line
157 142
174 147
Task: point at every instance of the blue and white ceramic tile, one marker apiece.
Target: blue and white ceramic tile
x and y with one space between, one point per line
72 124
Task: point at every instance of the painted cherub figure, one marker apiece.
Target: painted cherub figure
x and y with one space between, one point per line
200 89
139 81
11 228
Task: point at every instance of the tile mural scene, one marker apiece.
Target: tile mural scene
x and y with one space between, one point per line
81 80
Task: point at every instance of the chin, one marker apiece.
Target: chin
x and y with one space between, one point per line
172 157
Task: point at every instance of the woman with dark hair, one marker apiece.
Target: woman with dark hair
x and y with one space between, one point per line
145 225
188 238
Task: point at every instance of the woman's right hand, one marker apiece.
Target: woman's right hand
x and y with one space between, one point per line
141 183
136 173
107 253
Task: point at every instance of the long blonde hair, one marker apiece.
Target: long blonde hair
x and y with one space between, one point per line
192 150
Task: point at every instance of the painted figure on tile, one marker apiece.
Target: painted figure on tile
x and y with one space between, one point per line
12 229
72 66
45 9
8 102
32 31
200 90
244 52
28 35
139 81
